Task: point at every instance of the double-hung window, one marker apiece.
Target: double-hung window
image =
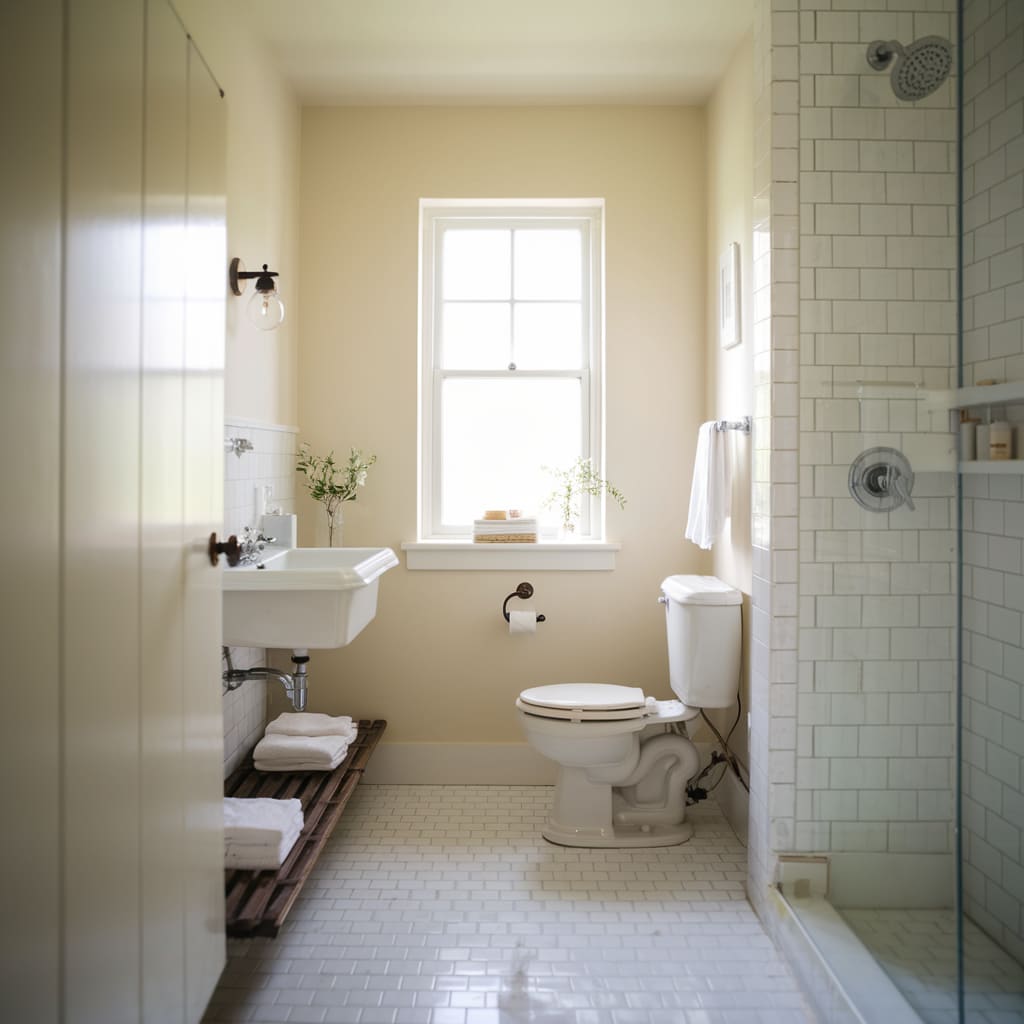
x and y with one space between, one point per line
511 353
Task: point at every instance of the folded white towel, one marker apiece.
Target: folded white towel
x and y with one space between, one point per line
231 846
317 751
710 491
504 525
260 856
260 820
297 766
308 723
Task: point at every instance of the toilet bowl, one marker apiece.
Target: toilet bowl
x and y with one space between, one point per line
624 761
621 778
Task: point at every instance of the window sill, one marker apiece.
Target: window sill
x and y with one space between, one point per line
575 556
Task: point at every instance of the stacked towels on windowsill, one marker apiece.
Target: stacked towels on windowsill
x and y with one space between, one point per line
259 833
304 741
505 531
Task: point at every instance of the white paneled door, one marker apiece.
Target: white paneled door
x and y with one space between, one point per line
111 401
30 402
205 261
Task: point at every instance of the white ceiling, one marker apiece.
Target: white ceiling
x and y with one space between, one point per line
500 51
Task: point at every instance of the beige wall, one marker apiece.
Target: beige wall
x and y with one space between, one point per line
730 142
438 661
263 208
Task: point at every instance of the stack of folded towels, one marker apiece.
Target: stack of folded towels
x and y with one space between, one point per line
260 833
505 531
304 741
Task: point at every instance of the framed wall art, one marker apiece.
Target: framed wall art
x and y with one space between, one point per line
729 333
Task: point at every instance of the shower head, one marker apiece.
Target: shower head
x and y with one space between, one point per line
917 69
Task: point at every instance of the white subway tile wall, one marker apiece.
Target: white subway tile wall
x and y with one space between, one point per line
853 646
873 767
271 464
993 508
775 240
854 266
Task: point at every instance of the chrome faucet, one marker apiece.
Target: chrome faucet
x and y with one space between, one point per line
238 445
251 544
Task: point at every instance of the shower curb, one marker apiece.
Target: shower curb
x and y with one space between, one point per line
840 978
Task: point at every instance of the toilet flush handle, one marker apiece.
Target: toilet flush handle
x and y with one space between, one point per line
663 599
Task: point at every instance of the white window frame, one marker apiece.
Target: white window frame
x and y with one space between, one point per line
435 217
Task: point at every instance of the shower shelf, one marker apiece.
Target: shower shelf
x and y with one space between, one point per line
989 394
1011 467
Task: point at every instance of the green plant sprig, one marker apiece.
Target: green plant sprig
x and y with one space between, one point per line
330 483
579 479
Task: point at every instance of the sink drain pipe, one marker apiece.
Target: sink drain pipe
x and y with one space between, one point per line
294 683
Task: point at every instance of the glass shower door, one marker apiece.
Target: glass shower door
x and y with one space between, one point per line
990 805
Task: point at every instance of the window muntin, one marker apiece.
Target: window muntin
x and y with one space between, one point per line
511 353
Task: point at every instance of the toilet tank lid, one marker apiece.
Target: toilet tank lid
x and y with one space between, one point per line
700 590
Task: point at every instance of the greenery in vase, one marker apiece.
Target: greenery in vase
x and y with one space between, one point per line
579 479
330 482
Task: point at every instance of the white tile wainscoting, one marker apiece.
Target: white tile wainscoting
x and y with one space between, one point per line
271 463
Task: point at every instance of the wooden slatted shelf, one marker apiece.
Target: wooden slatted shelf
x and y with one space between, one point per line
259 901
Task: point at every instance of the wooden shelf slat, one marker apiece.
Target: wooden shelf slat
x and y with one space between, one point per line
258 901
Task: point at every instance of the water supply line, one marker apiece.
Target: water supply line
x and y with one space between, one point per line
294 683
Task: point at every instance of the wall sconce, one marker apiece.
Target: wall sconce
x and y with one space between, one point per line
265 309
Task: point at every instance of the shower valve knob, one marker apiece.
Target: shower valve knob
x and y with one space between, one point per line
229 547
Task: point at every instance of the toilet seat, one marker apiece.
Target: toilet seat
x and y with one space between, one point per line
584 702
600 702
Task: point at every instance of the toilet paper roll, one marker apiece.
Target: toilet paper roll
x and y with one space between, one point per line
522 622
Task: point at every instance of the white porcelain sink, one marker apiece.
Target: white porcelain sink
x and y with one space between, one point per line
303 597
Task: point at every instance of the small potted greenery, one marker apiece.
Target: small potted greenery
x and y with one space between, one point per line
332 483
573 483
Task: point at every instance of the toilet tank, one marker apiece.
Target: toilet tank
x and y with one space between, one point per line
703 618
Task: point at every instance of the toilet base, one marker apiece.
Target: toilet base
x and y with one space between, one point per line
619 837
649 811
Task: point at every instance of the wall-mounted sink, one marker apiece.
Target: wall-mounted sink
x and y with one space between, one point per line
303 597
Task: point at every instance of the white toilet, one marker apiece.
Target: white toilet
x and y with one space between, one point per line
623 772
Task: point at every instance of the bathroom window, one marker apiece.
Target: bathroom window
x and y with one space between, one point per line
511 346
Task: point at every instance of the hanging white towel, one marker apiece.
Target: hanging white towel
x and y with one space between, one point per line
710 491
309 723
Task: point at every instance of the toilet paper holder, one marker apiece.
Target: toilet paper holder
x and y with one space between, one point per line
524 591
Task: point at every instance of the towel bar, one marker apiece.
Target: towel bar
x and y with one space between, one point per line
743 425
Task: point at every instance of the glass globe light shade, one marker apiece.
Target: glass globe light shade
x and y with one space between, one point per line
266 310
